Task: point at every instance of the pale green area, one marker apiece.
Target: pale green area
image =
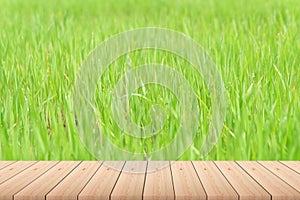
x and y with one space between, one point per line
255 45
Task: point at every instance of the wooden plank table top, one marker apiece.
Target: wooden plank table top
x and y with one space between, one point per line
70 186
271 182
91 180
158 181
52 177
186 181
5 163
102 183
130 184
242 183
22 179
293 165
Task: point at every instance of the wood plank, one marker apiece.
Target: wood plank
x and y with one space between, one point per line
215 184
103 182
21 180
158 183
274 185
14 169
4 164
131 181
295 165
186 182
288 175
243 184
38 189
181 180
71 185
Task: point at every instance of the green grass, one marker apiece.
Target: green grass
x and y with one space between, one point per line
255 45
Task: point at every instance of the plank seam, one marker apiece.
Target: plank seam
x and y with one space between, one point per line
101 164
239 197
254 179
62 179
8 165
19 172
172 179
117 180
145 177
200 180
13 195
278 176
289 167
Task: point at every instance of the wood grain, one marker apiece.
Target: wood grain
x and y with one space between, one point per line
286 174
38 189
131 181
158 184
70 186
244 185
14 169
32 180
214 183
103 182
295 165
186 182
21 180
274 185
4 164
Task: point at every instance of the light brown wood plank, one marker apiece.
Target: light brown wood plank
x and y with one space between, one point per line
71 185
186 182
243 184
274 185
289 176
214 183
21 180
14 169
4 164
102 183
158 183
38 189
131 181
295 165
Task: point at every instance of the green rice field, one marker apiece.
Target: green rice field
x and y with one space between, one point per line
254 44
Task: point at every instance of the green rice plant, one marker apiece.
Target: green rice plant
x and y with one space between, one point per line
255 45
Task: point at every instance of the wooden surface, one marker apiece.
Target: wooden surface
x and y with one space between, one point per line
210 180
215 184
186 181
158 181
243 184
130 184
275 186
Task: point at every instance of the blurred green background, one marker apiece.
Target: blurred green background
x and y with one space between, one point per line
254 44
